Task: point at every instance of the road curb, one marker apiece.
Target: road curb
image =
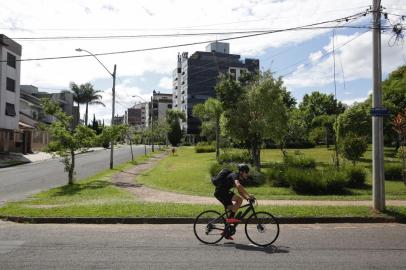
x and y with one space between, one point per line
186 220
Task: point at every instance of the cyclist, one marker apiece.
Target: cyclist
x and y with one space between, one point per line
230 200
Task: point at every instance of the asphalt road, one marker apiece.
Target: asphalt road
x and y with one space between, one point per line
18 182
327 246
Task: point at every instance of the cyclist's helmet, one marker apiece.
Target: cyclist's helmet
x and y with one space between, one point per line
243 167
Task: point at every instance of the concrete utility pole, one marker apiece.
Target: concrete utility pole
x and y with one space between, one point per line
112 115
378 178
114 98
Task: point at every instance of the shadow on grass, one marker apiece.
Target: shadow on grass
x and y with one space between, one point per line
401 217
73 189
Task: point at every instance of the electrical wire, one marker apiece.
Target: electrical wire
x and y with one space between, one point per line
351 17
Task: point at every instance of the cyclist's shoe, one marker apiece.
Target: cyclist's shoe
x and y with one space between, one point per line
228 237
232 220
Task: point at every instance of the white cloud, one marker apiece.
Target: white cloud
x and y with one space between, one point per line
315 56
166 82
26 18
352 101
355 57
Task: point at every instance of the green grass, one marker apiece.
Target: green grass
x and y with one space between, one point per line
97 197
188 172
137 209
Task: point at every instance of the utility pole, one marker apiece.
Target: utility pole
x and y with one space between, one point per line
112 116
378 178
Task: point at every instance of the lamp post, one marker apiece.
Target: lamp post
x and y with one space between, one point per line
114 99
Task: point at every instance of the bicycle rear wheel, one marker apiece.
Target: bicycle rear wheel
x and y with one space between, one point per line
262 229
209 227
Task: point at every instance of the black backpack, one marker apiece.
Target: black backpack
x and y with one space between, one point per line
221 176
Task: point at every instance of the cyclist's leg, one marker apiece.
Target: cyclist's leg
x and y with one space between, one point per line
237 201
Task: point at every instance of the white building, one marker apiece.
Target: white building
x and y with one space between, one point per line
10 54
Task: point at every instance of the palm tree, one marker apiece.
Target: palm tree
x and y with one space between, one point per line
91 97
78 95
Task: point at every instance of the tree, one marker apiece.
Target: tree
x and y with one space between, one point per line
64 140
353 147
399 126
95 125
394 99
112 134
317 104
173 118
78 95
91 96
210 111
355 120
259 113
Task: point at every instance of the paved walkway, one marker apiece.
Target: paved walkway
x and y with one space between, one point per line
19 158
126 180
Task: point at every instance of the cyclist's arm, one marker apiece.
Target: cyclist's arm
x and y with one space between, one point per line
241 190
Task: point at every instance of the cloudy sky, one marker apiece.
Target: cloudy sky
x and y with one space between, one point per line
301 57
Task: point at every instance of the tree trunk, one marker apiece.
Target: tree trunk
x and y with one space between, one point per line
72 167
87 105
217 138
255 153
78 113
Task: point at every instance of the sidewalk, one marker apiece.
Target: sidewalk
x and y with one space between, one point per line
13 159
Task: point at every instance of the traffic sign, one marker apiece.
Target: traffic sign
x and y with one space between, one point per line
380 111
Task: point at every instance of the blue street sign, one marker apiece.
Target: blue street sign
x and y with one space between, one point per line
380 111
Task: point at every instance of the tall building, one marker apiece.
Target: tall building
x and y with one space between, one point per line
158 106
10 54
196 76
137 115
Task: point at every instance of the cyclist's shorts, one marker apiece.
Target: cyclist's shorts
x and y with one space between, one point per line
225 197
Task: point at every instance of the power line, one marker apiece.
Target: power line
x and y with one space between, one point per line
351 17
323 55
180 34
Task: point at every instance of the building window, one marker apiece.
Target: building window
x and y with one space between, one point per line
11 60
10 110
11 85
169 106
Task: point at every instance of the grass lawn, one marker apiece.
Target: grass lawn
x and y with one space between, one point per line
97 197
188 172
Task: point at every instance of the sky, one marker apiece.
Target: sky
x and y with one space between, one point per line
303 58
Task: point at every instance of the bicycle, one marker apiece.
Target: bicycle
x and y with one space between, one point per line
261 228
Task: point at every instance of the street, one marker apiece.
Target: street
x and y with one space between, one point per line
313 246
18 182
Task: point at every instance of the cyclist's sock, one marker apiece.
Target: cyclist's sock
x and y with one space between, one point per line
232 220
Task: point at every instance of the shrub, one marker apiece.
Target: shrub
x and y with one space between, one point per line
255 179
276 175
215 168
204 147
355 175
299 161
393 171
329 181
353 147
235 156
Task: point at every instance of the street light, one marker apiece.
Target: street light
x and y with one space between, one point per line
114 99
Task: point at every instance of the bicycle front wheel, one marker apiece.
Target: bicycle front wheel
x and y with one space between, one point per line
262 229
209 227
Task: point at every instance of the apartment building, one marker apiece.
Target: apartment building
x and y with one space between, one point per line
195 78
10 53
